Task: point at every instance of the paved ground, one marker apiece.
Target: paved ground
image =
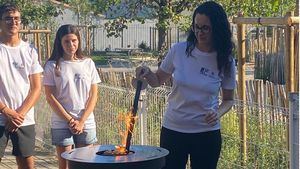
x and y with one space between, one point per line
43 159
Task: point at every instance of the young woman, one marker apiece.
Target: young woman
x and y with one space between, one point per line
70 81
200 67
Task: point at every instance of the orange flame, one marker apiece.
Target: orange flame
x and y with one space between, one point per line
128 119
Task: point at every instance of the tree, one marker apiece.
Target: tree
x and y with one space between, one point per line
167 12
258 8
85 9
35 12
82 9
164 11
177 12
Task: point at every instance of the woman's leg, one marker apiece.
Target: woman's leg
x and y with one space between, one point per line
62 163
63 140
205 149
175 142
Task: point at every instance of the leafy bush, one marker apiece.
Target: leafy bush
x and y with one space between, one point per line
143 45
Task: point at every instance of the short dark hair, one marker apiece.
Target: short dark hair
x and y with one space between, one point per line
221 33
8 7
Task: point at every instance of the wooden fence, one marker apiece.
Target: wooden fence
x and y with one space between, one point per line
40 39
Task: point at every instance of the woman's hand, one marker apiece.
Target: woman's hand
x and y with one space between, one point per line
142 72
79 127
212 118
74 126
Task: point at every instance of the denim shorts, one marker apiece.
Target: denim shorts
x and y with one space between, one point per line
64 137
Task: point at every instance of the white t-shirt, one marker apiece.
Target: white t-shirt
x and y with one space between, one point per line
73 83
195 90
16 64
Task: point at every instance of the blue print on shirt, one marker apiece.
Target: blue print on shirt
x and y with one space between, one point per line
206 72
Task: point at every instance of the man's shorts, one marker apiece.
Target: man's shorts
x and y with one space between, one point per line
23 141
64 137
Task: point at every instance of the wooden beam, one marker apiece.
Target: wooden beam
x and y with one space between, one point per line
267 20
35 31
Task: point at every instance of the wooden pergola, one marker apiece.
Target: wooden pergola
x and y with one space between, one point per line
291 24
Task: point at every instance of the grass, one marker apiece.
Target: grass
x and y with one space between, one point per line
100 60
103 59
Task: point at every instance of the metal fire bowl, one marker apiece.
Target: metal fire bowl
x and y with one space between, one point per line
144 157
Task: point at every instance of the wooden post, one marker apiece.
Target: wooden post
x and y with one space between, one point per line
289 62
48 45
296 44
241 37
39 49
265 39
273 40
167 39
289 57
35 39
37 45
296 55
278 42
179 34
292 59
258 38
170 38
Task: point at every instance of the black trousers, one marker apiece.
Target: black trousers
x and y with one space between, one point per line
203 148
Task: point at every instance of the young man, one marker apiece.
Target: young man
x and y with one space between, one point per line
20 87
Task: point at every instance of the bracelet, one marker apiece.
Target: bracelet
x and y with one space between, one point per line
3 108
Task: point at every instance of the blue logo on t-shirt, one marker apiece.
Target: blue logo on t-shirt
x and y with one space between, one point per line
18 65
206 72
